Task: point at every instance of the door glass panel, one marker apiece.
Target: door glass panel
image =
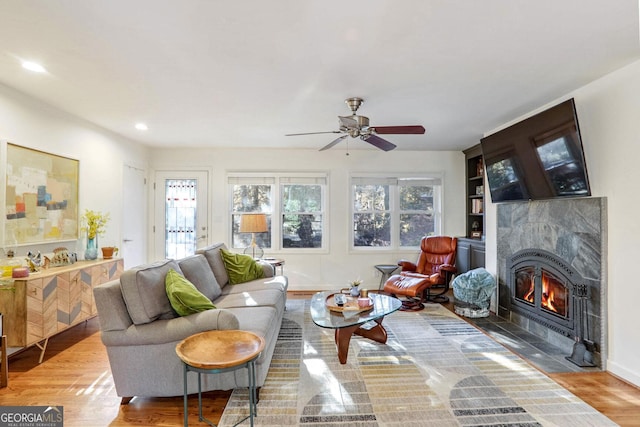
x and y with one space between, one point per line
180 217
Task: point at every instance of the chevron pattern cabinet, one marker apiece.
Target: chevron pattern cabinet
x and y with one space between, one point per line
52 300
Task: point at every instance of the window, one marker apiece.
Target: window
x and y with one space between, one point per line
394 212
293 203
180 217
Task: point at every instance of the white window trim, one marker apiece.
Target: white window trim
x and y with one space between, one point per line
276 180
393 179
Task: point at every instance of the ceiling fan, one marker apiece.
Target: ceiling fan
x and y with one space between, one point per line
358 126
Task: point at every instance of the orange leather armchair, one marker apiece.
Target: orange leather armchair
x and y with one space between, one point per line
434 269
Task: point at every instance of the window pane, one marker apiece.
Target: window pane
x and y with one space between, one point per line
252 198
243 240
301 231
372 229
371 197
180 217
413 227
302 198
416 198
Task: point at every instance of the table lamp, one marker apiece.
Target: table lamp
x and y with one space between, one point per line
253 223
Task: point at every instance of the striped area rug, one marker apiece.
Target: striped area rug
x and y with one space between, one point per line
434 370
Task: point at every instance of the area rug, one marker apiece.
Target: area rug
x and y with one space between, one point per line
434 370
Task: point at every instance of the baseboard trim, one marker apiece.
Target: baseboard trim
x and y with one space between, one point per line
624 374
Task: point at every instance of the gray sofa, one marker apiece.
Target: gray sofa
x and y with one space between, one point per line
140 329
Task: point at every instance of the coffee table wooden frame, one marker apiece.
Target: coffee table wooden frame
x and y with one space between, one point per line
216 352
346 327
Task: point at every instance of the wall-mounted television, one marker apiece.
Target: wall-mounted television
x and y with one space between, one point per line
538 158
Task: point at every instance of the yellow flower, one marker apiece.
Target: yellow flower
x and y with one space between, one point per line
94 223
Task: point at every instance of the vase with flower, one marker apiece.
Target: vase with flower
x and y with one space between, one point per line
354 287
93 224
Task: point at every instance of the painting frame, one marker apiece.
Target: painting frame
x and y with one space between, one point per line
40 191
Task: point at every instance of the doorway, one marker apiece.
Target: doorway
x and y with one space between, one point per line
134 222
181 214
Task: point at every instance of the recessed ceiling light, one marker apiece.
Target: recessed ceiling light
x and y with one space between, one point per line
32 66
141 126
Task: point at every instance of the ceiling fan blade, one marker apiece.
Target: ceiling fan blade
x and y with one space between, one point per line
398 130
378 142
334 142
312 133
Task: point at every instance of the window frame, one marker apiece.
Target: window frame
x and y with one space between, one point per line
394 181
277 181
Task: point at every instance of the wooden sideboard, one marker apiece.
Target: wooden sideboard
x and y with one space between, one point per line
50 301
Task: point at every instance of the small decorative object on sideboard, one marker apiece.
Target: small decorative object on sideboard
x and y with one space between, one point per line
109 252
479 190
61 256
35 261
94 223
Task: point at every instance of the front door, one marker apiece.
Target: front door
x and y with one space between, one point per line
181 214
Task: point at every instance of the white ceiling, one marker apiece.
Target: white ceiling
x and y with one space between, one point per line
214 73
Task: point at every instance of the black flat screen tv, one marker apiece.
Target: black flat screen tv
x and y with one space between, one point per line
538 158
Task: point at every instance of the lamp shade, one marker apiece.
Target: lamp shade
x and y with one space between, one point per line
253 223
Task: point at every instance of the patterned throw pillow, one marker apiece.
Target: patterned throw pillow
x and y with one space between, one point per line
241 268
185 298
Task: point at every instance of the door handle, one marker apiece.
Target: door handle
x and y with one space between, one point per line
127 240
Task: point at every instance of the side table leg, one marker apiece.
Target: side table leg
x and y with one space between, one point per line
200 397
253 410
186 413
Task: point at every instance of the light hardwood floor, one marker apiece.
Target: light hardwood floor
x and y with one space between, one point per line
75 374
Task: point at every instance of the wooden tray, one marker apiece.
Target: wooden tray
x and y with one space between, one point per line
350 306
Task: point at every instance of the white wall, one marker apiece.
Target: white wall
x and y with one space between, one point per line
333 269
608 113
26 122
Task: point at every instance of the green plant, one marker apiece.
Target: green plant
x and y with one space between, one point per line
356 282
94 223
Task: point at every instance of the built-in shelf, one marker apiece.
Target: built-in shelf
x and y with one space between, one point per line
470 253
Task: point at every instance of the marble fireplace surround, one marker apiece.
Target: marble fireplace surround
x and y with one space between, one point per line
573 229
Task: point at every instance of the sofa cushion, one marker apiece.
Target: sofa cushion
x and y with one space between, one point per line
184 297
144 291
197 270
241 268
212 254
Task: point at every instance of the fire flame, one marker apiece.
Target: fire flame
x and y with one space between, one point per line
548 294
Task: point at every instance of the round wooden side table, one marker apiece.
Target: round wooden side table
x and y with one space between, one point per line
215 352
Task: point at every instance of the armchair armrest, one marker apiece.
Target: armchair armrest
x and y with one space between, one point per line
407 265
448 268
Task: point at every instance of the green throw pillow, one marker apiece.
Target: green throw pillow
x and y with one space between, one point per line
185 298
241 268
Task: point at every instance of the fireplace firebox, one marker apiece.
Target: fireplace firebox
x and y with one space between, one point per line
545 289
541 289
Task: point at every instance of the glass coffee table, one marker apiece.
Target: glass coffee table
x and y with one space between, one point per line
347 323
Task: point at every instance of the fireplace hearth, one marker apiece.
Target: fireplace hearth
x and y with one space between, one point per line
551 273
